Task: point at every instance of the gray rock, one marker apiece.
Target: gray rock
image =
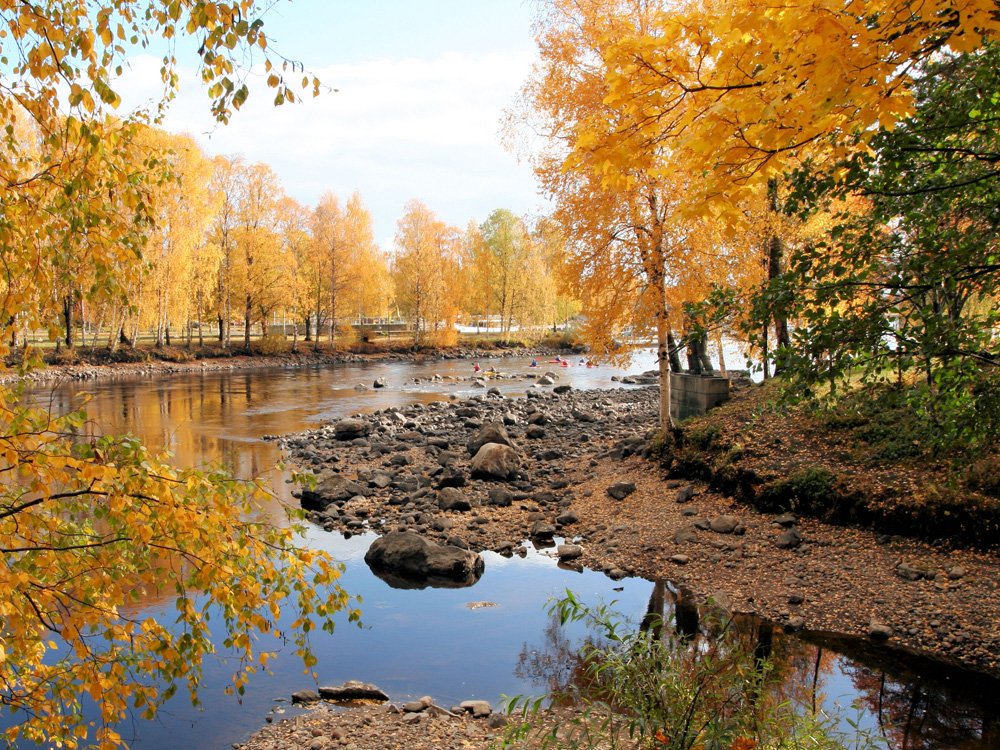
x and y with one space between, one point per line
911 572
879 631
724 524
562 389
334 488
350 428
380 480
545 380
569 551
786 519
500 496
495 461
451 498
535 432
490 432
478 709
405 559
788 539
684 494
441 713
621 490
305 696
413 707
794 624
957 572
353 690
680 559
567 517
379 383
452 476
542 530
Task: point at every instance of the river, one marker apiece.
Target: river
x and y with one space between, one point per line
432 642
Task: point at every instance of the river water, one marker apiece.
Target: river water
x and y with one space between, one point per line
432 642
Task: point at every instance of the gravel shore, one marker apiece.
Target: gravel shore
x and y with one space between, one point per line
582 479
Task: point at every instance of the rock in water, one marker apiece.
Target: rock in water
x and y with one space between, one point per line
352 690
404 559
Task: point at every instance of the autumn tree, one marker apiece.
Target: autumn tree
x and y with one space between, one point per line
633 253
740 92
370 290
507 257
260 274
176 248
426 262
87 525
293 222
227 183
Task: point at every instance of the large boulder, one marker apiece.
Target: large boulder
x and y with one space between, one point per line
406 560
490 432
495 461
335 488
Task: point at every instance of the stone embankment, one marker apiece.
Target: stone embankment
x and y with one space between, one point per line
563 473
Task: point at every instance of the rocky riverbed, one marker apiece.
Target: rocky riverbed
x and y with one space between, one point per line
574 473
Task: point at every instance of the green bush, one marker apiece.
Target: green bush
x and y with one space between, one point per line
809 491
702 438
653 688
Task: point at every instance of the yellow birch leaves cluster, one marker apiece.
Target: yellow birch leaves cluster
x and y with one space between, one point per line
738 91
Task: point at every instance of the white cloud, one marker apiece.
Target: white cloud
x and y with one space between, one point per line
396 129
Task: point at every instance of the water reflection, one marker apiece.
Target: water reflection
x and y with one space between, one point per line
931 709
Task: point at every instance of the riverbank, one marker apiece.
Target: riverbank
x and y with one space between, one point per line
83 368
579 477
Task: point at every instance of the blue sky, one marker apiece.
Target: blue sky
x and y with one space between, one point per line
422 87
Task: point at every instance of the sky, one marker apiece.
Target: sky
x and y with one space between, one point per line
421 89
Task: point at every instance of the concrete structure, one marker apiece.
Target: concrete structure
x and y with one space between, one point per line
693 395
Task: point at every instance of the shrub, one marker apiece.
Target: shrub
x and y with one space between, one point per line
983 476
271 343
442 337
702 438
565 340
807 491
652 687
347 335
